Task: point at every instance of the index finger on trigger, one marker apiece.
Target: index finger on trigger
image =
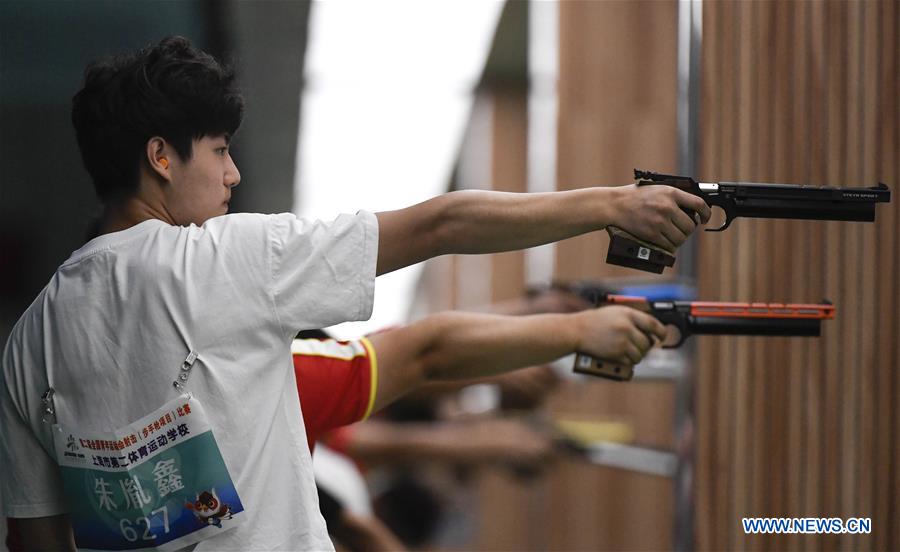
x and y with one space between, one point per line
649 324
694 203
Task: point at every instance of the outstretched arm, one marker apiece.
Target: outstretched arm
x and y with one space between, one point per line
477 441
474 221
458 345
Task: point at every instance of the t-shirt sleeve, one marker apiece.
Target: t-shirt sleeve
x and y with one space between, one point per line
323 273
30 483
337 382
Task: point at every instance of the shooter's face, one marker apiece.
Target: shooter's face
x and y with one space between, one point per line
200 188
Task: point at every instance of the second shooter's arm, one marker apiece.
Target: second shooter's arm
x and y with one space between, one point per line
713 318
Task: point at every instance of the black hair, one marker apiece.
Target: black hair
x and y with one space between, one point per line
170 89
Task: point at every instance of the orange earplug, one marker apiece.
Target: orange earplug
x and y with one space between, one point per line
164 162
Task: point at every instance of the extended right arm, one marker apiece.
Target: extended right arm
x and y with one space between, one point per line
457 345
473 221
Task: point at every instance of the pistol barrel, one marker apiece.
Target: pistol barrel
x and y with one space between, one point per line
790 327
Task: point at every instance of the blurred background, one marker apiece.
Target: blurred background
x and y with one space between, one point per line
376 105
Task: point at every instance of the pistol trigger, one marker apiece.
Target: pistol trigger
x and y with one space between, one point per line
681 339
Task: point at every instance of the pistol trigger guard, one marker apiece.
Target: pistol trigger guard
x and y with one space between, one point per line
683 334
728 220
681 339
673 319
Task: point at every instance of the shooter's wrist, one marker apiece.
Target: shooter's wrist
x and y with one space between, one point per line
615 204
577 330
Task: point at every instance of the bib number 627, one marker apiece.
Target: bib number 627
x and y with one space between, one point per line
128 527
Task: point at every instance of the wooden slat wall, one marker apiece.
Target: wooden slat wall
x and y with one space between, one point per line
612 117
802 92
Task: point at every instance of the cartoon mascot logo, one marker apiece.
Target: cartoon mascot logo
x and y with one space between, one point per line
209 510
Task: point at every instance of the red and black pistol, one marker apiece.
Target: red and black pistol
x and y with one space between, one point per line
687 318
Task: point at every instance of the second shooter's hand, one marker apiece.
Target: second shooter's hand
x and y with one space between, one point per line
618 334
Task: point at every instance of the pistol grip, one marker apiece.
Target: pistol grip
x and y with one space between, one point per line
626 250
585 364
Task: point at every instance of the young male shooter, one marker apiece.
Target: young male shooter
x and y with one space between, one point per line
174 291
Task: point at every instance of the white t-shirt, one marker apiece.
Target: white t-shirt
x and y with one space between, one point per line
118 318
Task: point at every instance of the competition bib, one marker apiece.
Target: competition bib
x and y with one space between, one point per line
157 484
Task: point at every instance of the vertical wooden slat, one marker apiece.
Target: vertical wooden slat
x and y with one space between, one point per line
833 397
509 174
757 447
707 372
816 273
710 435
791 148
885 526
892 80
775 111
729 391
804 364
870 266
850 292
725 245
886 275
744 234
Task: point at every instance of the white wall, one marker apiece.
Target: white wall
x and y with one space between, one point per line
388 92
